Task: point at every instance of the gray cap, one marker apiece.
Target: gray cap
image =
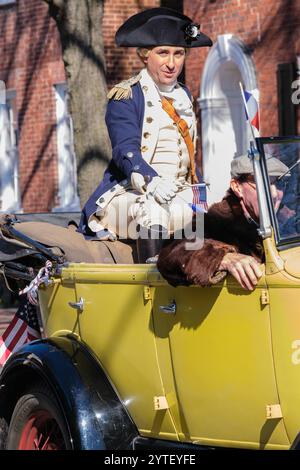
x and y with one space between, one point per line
243 165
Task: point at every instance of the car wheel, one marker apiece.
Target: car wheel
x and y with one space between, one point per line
37 423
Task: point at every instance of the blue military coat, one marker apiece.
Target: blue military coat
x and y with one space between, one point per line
124 119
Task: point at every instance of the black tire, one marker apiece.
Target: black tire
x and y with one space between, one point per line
37 423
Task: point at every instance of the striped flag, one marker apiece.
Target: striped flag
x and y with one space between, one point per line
199 198
251 107
23 329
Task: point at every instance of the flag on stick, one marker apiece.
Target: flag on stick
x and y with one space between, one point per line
250 99
23 329
199 198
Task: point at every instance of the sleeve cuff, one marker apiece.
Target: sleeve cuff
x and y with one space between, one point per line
138 165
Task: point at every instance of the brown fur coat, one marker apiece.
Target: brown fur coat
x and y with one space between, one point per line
225 230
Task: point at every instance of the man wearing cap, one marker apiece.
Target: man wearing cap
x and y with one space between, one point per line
148 188
231 240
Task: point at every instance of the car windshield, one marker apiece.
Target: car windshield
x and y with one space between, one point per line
284 189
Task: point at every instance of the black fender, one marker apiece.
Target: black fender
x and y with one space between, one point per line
95 415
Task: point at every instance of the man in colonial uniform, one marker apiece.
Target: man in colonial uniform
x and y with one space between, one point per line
151 187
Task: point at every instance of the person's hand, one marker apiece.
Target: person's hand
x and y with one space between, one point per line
243 268
162 189
138 182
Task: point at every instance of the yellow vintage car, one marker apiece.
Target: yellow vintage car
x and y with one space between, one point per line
129 362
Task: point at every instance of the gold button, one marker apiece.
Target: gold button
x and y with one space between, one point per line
144 148
149 119
145 88
146 135
149 103
180 153
179 141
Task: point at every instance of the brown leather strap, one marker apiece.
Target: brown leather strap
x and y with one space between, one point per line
184 131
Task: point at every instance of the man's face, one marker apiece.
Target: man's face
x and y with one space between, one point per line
165 63
246 192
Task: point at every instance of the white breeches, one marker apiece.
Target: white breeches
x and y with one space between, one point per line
130 209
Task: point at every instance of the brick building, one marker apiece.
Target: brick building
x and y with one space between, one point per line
255 42
33 72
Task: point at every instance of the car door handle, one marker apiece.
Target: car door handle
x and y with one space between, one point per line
77 305
171 308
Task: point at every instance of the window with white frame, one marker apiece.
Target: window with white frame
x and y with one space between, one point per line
67 171
9 178
7 2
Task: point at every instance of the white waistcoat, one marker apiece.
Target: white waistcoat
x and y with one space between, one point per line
162 146
171 158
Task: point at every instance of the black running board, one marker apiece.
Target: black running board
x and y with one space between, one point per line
145 443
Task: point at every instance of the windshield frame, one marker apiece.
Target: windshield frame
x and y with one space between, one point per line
287 242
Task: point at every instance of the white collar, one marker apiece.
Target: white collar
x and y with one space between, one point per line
161 88
167 88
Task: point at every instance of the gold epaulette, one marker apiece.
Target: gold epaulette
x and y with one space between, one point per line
123 89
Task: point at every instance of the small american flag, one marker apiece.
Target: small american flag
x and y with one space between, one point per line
199 198
23 328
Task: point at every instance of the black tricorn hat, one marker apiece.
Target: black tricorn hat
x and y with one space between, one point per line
160 27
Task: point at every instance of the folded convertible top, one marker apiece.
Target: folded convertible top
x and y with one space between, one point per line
31 235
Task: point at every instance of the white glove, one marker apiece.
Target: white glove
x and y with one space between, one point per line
106 235
162 189
138 182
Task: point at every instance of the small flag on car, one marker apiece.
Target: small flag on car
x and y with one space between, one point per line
199 203
251 100
23 329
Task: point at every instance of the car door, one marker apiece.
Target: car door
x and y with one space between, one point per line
216 357
116 324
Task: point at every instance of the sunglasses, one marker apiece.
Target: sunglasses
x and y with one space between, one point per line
273 180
